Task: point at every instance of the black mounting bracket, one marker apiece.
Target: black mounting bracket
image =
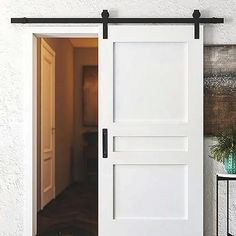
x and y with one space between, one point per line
105 16
196 16
196 20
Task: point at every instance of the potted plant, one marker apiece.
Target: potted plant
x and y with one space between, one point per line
225 150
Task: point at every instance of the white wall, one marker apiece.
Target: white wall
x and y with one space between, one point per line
11 83
82 57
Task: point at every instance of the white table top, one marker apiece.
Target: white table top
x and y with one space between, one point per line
227 175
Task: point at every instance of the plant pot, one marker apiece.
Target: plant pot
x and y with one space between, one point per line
230 164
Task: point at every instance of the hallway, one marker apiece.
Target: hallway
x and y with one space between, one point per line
72 213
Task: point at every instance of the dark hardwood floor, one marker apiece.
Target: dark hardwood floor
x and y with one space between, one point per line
72 213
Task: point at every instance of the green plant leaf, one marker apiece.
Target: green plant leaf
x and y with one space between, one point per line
226 144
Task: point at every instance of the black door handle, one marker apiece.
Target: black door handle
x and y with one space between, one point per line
104 143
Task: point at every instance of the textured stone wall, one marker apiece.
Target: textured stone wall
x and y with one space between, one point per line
11 86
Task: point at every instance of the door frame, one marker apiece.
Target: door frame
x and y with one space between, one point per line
30 109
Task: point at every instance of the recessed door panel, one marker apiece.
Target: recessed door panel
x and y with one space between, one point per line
137 187
156 76
149 143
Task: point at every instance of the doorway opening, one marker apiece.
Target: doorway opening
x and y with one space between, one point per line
67 136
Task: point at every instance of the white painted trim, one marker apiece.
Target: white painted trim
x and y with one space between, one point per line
30 110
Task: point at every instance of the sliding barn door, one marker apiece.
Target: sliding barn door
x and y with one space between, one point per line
151 131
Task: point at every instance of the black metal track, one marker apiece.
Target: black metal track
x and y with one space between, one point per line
105 20
25 20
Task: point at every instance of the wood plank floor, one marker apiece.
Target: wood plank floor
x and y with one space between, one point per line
72 213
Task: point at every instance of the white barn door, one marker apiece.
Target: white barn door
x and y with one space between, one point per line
151 103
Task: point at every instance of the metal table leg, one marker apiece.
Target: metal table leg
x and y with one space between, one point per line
227 205
217 234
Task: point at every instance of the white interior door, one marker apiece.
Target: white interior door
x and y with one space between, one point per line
151 103
47 123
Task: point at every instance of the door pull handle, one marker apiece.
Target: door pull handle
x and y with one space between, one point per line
104 143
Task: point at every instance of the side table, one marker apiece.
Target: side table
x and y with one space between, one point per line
227 178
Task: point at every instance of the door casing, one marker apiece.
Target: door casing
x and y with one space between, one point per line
30 109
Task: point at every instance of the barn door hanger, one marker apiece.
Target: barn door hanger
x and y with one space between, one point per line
196 20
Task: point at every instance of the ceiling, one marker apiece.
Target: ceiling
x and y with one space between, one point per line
84 42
